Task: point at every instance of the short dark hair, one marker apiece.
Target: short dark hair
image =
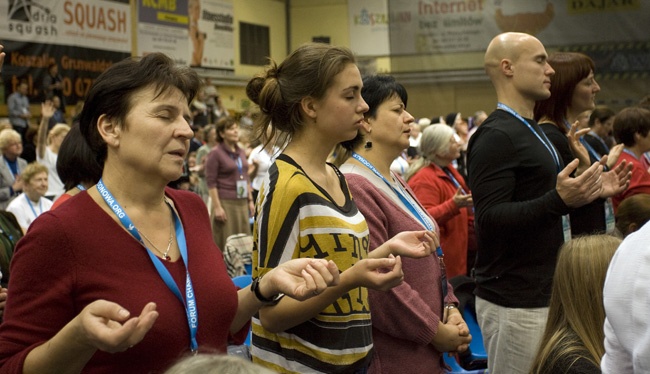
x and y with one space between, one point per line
76 162
112 91
377 89
601 113
630 121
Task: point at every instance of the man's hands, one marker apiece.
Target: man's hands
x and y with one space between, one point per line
583 189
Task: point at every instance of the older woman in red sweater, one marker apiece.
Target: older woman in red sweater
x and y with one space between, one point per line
444 193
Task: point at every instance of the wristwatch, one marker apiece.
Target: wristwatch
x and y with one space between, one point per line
255 288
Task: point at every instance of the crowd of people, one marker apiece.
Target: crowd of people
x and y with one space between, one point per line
359 213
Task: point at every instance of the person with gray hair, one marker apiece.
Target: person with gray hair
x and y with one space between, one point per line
205 363
11 183
443 193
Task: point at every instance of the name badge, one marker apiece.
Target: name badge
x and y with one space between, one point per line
610 219
242 189
566 227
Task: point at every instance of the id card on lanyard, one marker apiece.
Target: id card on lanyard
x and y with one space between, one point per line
189 302
242 184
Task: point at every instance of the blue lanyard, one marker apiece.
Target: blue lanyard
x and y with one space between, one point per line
240 167
600 140
13 176
629 152
40 206
547 143
190 305
590 149
454 180
410 204
81 187
417 212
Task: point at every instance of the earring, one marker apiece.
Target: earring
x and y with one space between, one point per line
368 145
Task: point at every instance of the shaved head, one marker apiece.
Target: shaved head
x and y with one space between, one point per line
508 46
518 68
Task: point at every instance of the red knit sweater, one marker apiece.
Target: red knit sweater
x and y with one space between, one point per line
78 254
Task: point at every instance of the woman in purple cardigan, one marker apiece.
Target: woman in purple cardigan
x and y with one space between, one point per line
414 323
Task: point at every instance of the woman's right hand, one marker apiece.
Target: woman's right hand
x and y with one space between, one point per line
449 338
461 200
219 215
18 184
106 326
380 274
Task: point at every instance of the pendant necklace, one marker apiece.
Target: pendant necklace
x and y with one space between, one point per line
165 254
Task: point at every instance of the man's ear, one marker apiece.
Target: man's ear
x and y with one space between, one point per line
309 105
506 67
108 130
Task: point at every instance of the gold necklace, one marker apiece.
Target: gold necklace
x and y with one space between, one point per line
165 254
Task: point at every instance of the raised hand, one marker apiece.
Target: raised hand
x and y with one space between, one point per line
415 244
613 156
47 109
581 190
380 274
462 200
578 148
616 180
106 326
303 278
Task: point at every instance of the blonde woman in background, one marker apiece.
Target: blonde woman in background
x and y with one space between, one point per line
11 184
573 339
47 149
31 203
442 191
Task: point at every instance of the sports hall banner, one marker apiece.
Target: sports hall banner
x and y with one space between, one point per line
449 26
163 27
211 34
83 37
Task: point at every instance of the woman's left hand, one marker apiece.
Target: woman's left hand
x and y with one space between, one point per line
456 319
415 244
578 149
616 180
302 278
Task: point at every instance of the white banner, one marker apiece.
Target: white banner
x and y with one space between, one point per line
214 43
97 24
162 27
368 21
449 26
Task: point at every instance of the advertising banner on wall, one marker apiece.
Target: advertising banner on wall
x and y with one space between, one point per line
449 26
211 34
163 27
82 37
368 21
